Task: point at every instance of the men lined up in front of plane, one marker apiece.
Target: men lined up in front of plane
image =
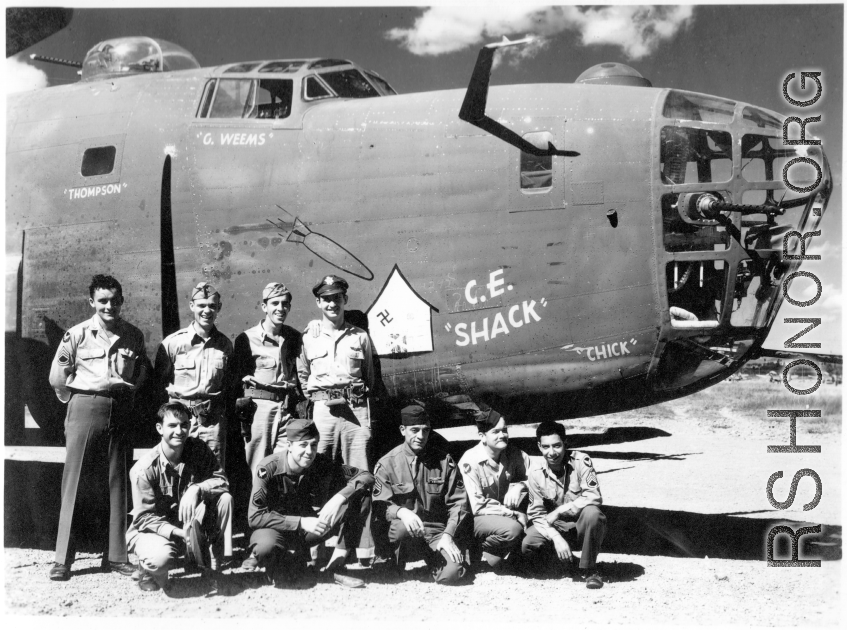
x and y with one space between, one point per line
424 505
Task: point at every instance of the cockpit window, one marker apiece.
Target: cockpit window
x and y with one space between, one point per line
249 98
699 107
349 84
381 83
282 66
242 67
232 98
273 99
315 89
690 156
328 63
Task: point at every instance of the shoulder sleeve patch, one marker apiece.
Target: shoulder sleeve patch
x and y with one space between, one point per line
467 468
262 472
377 486
591 480
587 461
66 337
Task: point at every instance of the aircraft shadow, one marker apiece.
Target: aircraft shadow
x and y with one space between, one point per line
679 534
576 441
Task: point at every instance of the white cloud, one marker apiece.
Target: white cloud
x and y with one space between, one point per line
636 30
828 306
22 77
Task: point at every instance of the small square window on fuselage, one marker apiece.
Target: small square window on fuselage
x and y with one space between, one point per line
98 161
537 170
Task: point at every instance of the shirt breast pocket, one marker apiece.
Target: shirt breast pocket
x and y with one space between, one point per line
319 362
355 358
266 369
434 485
91 360
185 369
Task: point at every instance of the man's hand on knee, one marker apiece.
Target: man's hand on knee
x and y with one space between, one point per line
188 504
563 549
313 525
411 521
449 548
332 511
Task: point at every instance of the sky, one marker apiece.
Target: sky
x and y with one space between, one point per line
738 52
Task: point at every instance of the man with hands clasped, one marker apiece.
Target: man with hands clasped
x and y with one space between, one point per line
420 495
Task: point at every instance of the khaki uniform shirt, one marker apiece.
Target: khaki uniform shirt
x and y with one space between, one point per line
488 481
191 367
280 498
260 355
89 360
576 488
429 485
158 487
336 359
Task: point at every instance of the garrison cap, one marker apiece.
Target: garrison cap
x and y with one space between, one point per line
275 289
203 290
330 285
301 429
486 419
413 415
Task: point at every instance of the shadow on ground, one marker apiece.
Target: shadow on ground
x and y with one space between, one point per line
651 532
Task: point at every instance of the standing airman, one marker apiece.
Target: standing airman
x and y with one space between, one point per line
97 368
336 373
265 366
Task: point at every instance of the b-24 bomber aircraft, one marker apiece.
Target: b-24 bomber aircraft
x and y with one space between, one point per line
561 250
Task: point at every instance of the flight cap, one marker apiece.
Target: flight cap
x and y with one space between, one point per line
413 415
330 285
300 430
486 419
204 291
275 289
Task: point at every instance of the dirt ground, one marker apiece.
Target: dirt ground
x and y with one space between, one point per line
680 481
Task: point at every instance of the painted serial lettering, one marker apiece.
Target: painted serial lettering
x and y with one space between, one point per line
237 139
84 192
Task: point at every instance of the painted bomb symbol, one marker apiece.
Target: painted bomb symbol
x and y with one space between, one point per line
323 247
